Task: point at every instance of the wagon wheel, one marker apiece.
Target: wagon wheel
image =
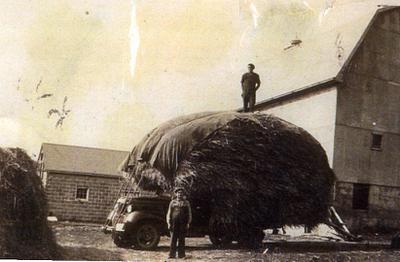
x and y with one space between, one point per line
252 239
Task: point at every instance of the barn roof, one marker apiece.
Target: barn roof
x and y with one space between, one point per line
81 160
291 87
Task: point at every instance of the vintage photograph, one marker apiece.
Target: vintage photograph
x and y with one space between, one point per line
200 130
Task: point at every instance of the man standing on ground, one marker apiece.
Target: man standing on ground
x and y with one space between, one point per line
250 84
179 217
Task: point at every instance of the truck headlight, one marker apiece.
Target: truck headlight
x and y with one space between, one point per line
129 209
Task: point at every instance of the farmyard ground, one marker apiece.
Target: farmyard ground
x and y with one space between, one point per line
87 242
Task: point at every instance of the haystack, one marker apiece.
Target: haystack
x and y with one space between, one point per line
251 171
24 233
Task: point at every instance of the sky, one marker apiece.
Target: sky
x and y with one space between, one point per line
110 71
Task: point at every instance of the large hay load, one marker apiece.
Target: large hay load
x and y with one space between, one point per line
24 233
251 170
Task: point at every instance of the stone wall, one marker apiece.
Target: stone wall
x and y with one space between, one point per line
383 209
61 195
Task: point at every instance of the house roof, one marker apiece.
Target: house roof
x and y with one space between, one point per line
333 75
81 160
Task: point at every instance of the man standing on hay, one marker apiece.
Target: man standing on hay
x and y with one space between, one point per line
179 217
250 84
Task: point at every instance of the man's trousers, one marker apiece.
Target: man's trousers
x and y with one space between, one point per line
177 237
249 100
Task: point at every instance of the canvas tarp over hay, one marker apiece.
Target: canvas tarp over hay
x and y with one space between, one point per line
24 233
252 170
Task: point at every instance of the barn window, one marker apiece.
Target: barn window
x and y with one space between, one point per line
376 142
360 196
82 193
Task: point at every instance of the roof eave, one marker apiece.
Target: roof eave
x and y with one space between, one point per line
295 94
83 173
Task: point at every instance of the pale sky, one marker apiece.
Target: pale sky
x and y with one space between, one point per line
127 66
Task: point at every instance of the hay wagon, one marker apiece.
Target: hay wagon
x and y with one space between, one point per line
245 171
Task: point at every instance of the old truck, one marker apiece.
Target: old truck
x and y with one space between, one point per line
140 220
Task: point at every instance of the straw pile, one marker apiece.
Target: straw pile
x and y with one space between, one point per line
251 171
24 233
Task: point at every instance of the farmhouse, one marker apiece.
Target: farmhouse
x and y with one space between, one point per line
355 115
81 183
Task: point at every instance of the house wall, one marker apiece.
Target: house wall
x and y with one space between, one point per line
369 102
61 196
315 113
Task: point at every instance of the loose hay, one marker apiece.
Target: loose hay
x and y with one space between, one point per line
249 171
24 233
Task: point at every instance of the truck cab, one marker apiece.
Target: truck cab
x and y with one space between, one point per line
140 220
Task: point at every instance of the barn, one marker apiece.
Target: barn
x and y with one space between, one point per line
355 115
81 183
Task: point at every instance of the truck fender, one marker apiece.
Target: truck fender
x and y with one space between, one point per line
136 216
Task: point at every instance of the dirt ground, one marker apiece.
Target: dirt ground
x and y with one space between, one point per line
87 242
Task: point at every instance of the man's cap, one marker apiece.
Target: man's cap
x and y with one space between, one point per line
177 189
252 65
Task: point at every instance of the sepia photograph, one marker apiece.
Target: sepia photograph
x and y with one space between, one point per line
200 130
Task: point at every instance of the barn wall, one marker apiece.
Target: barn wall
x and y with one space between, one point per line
368 103
382 213
315 113
357 162
61 195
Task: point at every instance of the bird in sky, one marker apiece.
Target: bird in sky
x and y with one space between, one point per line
61 114
35 96
295 42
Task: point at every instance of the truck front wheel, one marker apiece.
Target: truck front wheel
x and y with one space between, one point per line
146 236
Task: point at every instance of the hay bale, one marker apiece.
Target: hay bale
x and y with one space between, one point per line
24 232
250 170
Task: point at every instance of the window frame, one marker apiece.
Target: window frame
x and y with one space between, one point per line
87 193
374 146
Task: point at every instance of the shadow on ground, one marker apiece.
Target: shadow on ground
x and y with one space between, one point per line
90 253
199 247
